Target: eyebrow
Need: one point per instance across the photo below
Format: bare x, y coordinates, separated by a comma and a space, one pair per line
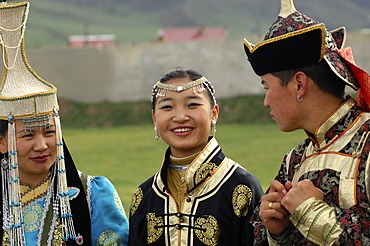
171, 99
31, 129
194, 97
165, 99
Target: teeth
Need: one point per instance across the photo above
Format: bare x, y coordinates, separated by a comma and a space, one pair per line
182, 130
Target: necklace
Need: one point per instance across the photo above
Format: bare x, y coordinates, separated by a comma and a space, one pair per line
181, 163
178, 167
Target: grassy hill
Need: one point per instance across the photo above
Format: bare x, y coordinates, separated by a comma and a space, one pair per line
52, 21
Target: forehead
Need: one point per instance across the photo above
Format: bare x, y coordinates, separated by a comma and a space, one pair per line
178, 81
184, 94
34, 123
269, 79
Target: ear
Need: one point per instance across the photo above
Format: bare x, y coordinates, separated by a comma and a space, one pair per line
215, 112
301, 83
153, 117
3, 145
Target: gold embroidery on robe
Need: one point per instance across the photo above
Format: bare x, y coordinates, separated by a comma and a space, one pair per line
5, 239
204, 171
108, 238
32, 215
118, 202
57, 234
155, 227
208, 230
242, 197
29, 194
136, 199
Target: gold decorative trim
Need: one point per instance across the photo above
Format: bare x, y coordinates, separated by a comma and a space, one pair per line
154, 227
205, 170
109, 237
320, 26
29, 194
136, 199
332, 120
241, 199
208, 230
317, 221
179, 88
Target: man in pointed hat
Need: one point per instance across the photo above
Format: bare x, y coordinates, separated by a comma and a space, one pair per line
320, 195
45, 200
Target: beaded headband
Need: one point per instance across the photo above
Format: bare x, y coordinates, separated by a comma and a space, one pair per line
199, 85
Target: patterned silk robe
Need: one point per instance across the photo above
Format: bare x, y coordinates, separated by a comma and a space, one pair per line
336, 160
218, 203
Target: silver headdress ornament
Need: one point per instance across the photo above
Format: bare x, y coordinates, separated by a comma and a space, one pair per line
27, 97
198, 86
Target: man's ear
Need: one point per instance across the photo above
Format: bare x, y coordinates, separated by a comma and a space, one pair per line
302, 82
3, 145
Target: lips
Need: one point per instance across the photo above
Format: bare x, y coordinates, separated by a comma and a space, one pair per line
182, 131
41, 158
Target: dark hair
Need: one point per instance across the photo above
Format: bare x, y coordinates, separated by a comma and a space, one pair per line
185, 73
3, 127
322, 76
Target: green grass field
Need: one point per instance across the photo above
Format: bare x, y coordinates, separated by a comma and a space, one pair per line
128, 155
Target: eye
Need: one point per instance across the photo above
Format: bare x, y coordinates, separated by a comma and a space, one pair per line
49, 132
194, 105
26, 135
166, 107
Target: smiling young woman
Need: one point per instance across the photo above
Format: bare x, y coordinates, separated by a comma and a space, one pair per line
199, 196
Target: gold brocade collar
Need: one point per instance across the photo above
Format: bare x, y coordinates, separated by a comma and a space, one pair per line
203, 165
29, 194
181, 163
321, 131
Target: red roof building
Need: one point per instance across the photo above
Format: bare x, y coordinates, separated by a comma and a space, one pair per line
191, 33
98, 41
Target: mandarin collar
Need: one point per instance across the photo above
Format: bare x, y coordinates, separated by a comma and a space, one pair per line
330, 129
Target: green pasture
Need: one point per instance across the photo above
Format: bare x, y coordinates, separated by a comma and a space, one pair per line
128, 155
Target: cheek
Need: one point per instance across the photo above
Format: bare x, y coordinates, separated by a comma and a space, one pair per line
160, 124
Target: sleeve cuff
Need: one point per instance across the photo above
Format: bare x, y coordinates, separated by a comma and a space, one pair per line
317, 221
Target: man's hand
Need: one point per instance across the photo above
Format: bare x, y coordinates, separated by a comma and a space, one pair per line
273, 215
299, 193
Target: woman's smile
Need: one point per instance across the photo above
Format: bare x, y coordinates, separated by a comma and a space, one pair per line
183, 131
41, 158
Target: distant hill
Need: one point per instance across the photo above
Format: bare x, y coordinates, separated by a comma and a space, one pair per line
52, 21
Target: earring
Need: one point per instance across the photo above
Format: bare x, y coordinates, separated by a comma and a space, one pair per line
156, 134
213, 127
4, 163
299, 98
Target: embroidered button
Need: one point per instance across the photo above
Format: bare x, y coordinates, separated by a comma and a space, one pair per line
188, 199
